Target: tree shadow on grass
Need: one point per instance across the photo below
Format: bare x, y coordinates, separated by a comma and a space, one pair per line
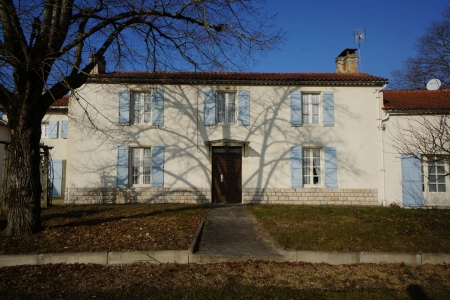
123, 215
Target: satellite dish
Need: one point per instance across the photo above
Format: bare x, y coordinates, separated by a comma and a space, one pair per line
434, 84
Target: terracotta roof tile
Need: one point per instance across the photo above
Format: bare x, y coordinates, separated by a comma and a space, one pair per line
64, 101
245, 78
421, 100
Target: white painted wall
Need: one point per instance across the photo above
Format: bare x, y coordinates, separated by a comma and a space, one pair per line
92, 153
393, 163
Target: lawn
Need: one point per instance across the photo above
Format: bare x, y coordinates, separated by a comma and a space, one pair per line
337, 228
109, 228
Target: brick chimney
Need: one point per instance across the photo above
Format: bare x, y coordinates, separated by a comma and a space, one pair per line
347, 62
100, 64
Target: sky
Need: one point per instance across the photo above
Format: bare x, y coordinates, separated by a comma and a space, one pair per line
319, 30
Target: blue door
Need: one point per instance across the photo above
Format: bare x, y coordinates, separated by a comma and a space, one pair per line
57, 178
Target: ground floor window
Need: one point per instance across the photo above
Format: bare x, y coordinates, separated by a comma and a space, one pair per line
312, 166
141, 165
434, 174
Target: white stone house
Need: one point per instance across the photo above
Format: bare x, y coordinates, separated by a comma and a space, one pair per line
413, 182
54, 134
200, 137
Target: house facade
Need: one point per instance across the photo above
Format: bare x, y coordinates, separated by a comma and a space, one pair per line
185, 137
54, 135
416, 140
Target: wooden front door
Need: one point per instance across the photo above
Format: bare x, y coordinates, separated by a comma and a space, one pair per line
226, 175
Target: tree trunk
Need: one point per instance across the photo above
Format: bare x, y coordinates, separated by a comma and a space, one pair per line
24, 186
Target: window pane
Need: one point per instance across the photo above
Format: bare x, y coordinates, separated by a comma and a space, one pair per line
432, 178
147, 107
305, 119
221, 108
306, 180
136, 108
306, 162
441, 179
431, 169
441, 188
305, 112
231, 111
305, 153
441, 170
432, 187
306, 171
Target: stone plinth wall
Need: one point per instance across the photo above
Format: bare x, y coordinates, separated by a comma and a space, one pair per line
308, 196
311, 196
137, 195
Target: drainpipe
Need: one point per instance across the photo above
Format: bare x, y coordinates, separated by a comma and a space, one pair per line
381, 127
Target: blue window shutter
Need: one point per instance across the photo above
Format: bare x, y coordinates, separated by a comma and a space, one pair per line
296, 167
330, 167
210, 107
158, 166
64, 129
411, 180
124, 107
244, 108
158, 107
57, 178
296, 108
328, 109
53, 129
122, 166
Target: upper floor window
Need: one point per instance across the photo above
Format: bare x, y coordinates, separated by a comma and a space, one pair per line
45, 129
226, 108
141, 108
51, 129
310, 109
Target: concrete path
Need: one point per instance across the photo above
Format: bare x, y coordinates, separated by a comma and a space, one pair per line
231, 233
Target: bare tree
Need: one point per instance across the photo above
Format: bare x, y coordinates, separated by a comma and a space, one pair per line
44, 50
432, 59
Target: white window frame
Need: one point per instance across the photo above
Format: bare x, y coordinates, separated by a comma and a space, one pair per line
430, 175
305, 166
227, 102
139, 166
45, 128
311, 109
144, 113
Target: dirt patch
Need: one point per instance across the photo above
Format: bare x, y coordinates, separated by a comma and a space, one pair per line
244, 280
109, 228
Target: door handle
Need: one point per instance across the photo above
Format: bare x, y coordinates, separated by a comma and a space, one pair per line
221, 177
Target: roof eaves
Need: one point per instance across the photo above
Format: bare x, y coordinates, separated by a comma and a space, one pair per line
239, 81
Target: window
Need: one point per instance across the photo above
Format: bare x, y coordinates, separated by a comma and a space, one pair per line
434, 180
141, 108
312, 167
226, 108
141, 165
45, 130
310, 109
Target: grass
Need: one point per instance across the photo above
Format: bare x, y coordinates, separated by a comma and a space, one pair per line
334, 228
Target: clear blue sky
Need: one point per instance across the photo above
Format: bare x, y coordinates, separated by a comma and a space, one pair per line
319, 30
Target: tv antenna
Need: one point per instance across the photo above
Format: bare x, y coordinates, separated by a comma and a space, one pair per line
360, 37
